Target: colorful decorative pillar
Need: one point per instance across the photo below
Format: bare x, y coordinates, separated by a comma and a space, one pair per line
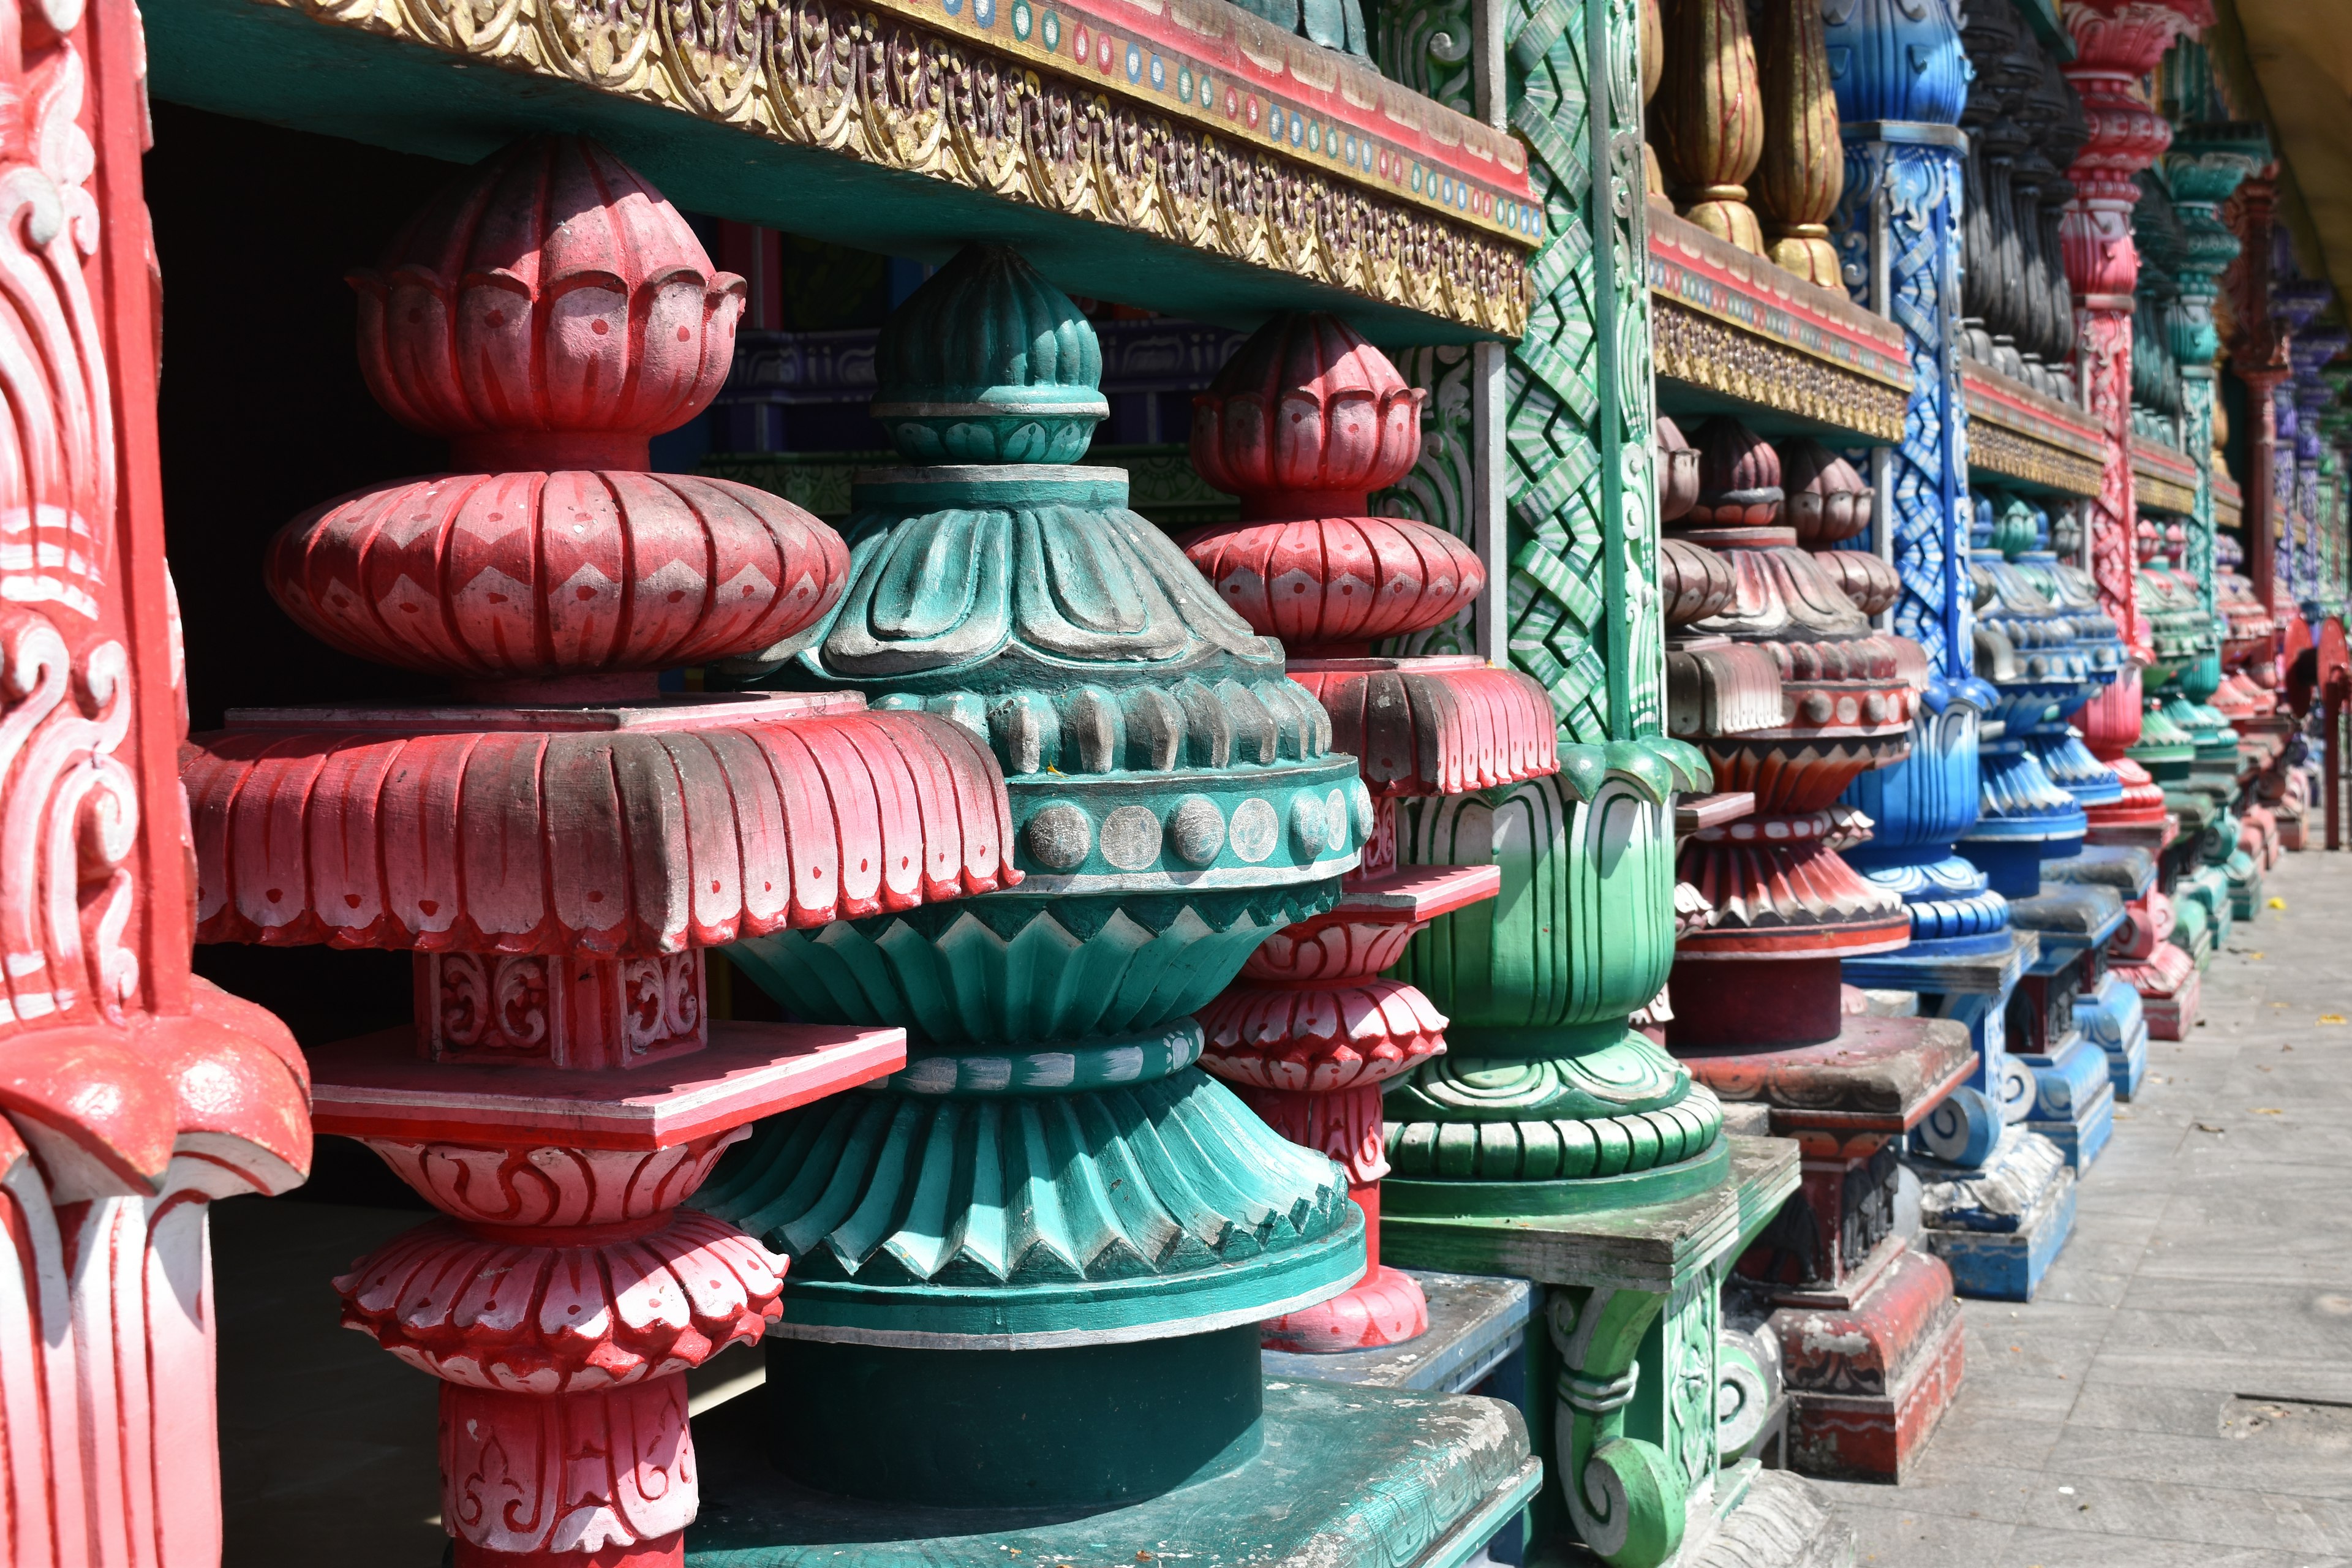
2203, 171
1868, 1329
1029, 1271
1901, 93
558, 843
1553, 1140
2314, 347
1709, 130
135, 1093
2258, 353
2047, 647
1800, 175
2117, 43
1304, 423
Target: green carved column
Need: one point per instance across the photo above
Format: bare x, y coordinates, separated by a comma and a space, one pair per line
2205, 166
1554, 1141
1027, 1272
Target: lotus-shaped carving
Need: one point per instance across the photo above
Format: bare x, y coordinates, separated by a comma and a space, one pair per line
517, 576
550, 306
1320, 1037
529, 1317
1064, 574
988, 362
1738, 477
1314, 582
1694, 583
1827, 502
1305, 420
1677, 472
1784, 593
1871, 584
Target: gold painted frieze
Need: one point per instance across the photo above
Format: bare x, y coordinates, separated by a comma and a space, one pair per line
2020, 436
2162, 478
1733, 326
1188, 121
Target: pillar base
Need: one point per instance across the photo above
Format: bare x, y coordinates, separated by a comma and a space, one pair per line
1760, 1519
1869, 1381
1999, 1229
1385, 1308
2201, 900
2245, 877
1317, 1488
2074, 1101
2167, 984
2112, 1018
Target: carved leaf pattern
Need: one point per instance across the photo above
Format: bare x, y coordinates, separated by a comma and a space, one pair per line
68, 806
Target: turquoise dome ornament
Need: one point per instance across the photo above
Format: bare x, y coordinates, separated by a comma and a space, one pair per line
1052, 1170
997, 365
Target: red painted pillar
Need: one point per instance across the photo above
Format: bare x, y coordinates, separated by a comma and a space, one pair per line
559, 841
2117, 43
2258, 353
1304, 423
133, 1093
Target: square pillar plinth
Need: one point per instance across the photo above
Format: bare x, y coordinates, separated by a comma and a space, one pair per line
1868, 1326
1631, 1341
1344, 1476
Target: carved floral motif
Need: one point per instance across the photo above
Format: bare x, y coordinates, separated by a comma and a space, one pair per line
873, 86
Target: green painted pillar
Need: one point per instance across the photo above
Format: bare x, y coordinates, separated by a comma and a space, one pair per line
1026, 1273
1553, 1140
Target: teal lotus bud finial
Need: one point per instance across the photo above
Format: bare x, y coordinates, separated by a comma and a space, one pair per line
988, 362
2017, 532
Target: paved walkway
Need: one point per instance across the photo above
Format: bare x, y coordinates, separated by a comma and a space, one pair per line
2180, 1393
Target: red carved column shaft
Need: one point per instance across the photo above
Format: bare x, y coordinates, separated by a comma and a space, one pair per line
1304, 423
2117, 43
131, 1092
558, 844
2258, 353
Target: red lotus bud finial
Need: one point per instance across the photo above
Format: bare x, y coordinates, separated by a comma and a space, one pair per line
1827, 502
1738, 477
1304, 423
549, 312
548, 309
1307, 420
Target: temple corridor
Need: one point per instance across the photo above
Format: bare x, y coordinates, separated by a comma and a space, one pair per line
2181, 1390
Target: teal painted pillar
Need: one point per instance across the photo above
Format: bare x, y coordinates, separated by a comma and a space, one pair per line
1027, 1271
1552, 1134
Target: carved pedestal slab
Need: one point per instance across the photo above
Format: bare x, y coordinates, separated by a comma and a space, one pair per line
1868, 1331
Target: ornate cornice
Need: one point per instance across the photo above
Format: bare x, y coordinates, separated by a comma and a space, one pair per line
2162, 478
1735, 325
2018, 434
1192, 121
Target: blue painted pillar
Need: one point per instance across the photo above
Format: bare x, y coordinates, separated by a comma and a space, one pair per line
1901, 77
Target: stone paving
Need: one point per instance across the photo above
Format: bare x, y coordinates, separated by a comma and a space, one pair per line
2180, 1393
